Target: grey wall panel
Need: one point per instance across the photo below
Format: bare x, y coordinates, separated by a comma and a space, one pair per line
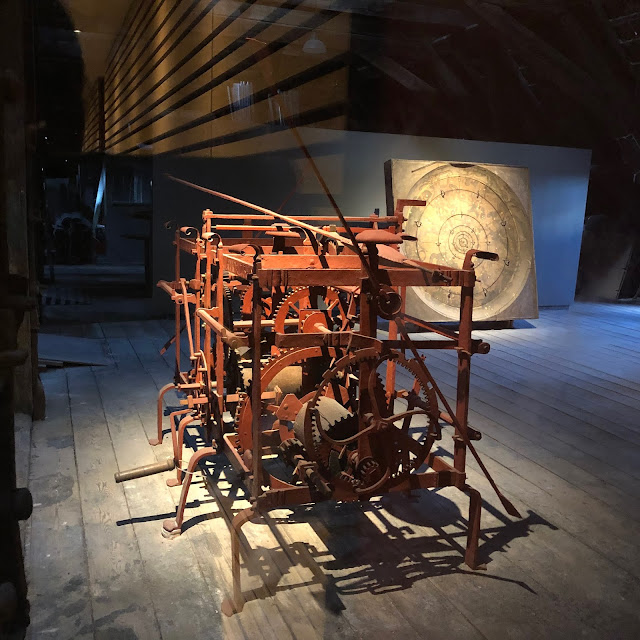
354, 166
559, 181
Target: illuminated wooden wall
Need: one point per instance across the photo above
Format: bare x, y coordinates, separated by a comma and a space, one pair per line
194, 77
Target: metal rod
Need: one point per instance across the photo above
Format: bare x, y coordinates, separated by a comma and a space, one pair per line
506, 503
228, 337
256, 391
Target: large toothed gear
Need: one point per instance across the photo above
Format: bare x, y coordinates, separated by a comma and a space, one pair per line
278, 370
246, 305
331, 417
386, 422
301, 298
228, 306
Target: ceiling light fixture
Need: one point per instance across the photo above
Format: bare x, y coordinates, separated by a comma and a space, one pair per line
314, 45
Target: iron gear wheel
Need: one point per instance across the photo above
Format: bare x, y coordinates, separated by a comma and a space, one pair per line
274, 366
301, 296
395, 452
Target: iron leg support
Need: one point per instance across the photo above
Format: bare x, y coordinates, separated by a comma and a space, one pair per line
172, 528
473, 535
177, 450
236, 603
156, 441
177, 454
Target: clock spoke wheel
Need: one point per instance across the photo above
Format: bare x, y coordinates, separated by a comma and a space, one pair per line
396, 427
293, 371
326, 299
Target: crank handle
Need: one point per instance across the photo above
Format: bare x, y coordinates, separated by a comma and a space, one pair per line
487, 255
483, 255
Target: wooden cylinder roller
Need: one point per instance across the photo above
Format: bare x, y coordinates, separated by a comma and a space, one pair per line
228, 337
145, 470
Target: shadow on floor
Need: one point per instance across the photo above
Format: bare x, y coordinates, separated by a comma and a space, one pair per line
376, 547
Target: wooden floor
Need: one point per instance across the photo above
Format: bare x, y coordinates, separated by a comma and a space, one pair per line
558, 402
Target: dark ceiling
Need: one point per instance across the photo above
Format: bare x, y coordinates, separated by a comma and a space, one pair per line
529, 71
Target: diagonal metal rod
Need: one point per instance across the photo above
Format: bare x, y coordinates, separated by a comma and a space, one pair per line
506, 503
288, 219
325, 188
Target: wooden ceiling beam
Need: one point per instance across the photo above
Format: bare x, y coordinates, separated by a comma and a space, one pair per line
430, 98
590, 56
538, 6
399, 73
523, 84
445, 76
436, 12
553, 67
606, 24
623, 19
519, 111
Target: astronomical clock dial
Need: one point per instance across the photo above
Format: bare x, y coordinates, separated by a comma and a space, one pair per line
468, 207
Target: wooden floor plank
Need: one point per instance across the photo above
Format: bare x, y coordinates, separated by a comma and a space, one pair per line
567, 331
559, 350
522, 341
569, 424
619, 325
557, 406
526, 360
147, 356
160, 372
600, 475
119, 578
572, 331
56, 563
592, 522
539, 392
534, 420
527, 552
175, 580
547, 381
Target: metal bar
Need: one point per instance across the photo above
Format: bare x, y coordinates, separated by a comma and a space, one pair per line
317, 276
359, 219
177, 309
256, 390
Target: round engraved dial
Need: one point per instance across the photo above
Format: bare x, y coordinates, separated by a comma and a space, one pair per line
469, 207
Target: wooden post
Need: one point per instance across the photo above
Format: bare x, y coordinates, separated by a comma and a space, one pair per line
17, 282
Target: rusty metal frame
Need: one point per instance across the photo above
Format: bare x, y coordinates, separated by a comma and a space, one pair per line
264, 256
